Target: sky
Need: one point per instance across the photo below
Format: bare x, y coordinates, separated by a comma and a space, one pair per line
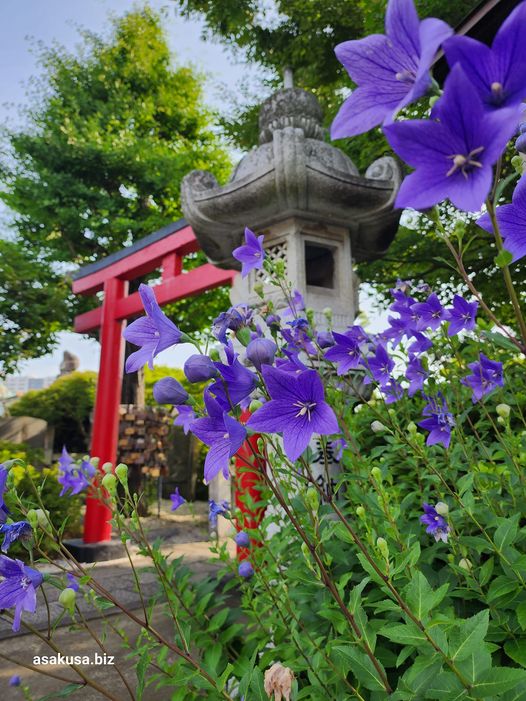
24, 24
27, 22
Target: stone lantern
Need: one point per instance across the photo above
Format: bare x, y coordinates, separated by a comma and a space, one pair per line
318, 214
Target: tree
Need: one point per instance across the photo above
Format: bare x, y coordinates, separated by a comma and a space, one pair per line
111, 132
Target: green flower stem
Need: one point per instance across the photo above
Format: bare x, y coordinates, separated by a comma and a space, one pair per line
506, 271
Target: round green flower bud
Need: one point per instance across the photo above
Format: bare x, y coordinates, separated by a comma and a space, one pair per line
382, 546
412, 428
109, 482
255, 404
501, 420
122, 473
107, 467
67, 599
360, 512
377, 474
312, 498
503, 410
465, 564
32, 518
95, 462
441, 508
378, 427
38, 518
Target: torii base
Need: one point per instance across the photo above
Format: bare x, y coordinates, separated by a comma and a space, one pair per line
95, 552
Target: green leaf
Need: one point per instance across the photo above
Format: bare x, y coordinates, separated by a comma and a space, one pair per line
498, 680
257, 686
468, 636
506, 532
360, 665
475, 665
521, 614
446, 686
501, 586
516, 650
504, 258
421, 597
405, 634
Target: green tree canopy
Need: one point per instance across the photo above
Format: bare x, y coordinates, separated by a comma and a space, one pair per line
110, 132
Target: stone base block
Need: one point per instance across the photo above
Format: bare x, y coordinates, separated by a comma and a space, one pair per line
95, 552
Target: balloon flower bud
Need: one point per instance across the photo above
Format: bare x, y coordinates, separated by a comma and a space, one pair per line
503, 410
441, 508
360, 512
465, 564
312, 498
67, 599
169, 391
377, 474
122, 473
38, 518
245, 569
107, 467
378, 427
199, 368
255, 404
242, 539
412, 428
109, 482
382, 546
261, 351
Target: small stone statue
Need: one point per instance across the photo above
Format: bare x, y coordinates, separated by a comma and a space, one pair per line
69, 364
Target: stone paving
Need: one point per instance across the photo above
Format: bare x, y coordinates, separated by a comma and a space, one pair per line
182, 533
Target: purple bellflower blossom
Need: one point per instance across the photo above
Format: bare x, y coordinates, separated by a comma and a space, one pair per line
18, 588
242, 539
169, 391
233, 319
439, 423
72, 582
236, 381
511, 219
392, 391
74, 477
416, 374
380, 365
430, 313
223, 434
177, 500
199, 368
461, 315
297, 305
15, 680
454, 154
153, 332
298, 337
245, 569
297, 409
252, 254
486, 375
338, 446
21, 530
436, 524
498, 73
185, 417
348, 351
420, 344
325, 339
390, 70
261, 351
396, 330
4, 511
216, 509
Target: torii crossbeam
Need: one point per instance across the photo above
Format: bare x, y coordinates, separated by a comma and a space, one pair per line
163, 250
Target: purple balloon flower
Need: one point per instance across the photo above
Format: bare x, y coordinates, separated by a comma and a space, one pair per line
216, 509
436, 524
177, 500
392, 391
74, 477
242, 539
185, 417
252, 254
461, 315
21, 530
4, 511
380, 365
223, 434
497, 74
416, 374
169, 391
486, 375
199, 368
18, 588
245, 569
454, 154
511, 219
324, 339
236, 381
261, 351
390, 71
348, 350
234, 318
439, 423
420, 344
72, 582
15, 680
430, 313
297, 409
153, 332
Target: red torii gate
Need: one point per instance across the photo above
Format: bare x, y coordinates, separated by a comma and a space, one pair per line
164, 250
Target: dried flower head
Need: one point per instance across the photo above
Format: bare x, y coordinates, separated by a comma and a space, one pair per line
278, 681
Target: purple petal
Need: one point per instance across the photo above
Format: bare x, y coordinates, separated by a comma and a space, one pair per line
402, 25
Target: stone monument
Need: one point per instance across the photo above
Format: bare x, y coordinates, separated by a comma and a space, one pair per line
69, 364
